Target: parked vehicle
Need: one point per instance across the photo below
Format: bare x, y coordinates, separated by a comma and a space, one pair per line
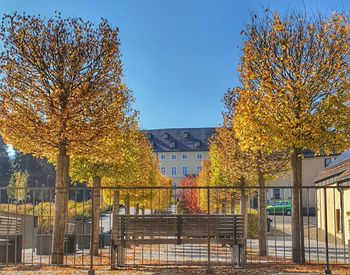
280, 208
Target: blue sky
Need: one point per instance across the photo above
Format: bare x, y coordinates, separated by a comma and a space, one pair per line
180, 56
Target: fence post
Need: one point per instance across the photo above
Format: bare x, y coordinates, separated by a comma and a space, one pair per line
91, 270
209, 270
115, 227
327, 270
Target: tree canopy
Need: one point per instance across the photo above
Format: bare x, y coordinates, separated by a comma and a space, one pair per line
60, 84
295, 84
295, 93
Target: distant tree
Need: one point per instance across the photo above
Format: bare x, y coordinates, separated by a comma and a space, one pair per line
18, 186
189, 198
61, 91
295, 93
264, 166
124, 158
40, 171
231, 165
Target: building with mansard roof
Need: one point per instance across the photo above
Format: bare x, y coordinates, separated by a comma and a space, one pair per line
181, 150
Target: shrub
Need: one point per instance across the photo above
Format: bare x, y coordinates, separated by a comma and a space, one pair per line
253, 224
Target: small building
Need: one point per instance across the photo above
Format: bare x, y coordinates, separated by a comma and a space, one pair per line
333, 198
180, 151
312, 165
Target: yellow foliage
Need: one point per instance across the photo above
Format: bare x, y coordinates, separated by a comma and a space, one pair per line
297, 94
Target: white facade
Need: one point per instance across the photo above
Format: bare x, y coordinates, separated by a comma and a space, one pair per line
177, 165
312, 166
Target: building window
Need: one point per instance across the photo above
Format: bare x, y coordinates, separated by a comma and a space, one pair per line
327, 162
185, 171
199, 156
198, 169
184, 156
163, 170
276, 193
173, 171
173, 156
162, 156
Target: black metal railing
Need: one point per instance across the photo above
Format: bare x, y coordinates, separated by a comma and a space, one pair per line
176, 226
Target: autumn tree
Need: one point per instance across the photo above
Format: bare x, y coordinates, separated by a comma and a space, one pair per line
263, 166
123, 159
295, 93
104, 161
189, 198
18, 186
60, 91
229, 166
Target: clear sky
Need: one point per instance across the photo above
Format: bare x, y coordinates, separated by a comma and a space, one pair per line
180, 56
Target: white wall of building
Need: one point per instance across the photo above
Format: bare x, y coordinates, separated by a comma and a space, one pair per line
177, 164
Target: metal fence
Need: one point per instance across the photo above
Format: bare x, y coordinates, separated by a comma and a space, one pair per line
175, 226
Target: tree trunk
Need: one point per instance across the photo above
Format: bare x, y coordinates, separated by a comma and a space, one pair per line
96, 183
262, 215
298, 252
127, 204
232, 203
137, 209
60, 215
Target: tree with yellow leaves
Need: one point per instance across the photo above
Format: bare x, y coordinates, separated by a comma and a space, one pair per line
123, 159
231, 165
295, 93
61, 91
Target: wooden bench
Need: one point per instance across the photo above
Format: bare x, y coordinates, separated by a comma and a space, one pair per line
10, 240
180, 229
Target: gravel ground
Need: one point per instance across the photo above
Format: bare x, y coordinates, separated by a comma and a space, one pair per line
251, 269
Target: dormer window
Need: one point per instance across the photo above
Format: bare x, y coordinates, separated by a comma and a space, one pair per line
197, 144
165, 135
172, 145
149, 135
186, 135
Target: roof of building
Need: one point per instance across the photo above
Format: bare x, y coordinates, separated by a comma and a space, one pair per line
338, 170
180, 139
309, 154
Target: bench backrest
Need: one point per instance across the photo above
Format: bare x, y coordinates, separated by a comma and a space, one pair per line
10, 225
184, 226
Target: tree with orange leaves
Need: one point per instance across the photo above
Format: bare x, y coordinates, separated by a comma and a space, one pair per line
189, 198
61, 91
